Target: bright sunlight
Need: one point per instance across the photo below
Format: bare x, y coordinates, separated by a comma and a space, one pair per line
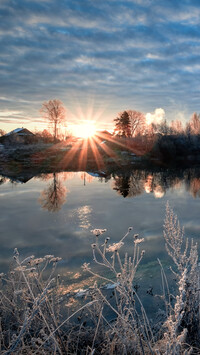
85, 130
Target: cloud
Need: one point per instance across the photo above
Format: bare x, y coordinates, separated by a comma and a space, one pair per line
156, 117
10, 113
125, 54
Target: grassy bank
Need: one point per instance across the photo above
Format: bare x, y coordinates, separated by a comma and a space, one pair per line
164, 151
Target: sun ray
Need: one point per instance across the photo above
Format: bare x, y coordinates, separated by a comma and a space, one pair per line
83, 155
97, 155
110, 152
70, 155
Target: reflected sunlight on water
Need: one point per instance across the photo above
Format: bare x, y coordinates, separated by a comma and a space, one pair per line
84, 214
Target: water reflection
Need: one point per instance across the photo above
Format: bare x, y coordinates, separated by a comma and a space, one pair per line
157, 183
153, 184
54, 196
91, 200
126, 184
2, 180
130, 184
84, 214
87, 178
194, 187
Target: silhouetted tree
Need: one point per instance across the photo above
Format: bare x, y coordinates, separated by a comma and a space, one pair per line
161, 128
54, 196
55, 112
123, 125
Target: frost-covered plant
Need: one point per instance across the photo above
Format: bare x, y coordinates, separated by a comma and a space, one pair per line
182, 324
29, 305
130, 331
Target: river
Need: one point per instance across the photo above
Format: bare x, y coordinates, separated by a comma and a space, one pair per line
55, 213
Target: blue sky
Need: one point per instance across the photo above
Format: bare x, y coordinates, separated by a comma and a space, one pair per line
99, 57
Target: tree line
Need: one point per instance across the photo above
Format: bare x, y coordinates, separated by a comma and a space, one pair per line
129, 123
132, 123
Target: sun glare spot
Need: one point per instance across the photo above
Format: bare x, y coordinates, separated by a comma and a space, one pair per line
85, 130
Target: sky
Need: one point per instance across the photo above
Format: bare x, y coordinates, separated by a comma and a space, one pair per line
99, 57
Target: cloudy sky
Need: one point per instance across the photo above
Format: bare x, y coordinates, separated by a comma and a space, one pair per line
99, 57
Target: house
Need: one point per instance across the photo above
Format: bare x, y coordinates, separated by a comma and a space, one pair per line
18, 136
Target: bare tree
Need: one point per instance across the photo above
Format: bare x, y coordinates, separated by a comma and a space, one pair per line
137, 122
176, 127
55, 112
194, 124
47, 136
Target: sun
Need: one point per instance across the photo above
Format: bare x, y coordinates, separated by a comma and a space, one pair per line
85, 130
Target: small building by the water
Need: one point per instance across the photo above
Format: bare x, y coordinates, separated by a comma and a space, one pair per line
17, 136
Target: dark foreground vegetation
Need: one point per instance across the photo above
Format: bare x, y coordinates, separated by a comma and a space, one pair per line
112, 322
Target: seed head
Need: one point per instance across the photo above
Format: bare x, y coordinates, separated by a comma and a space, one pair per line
98, 232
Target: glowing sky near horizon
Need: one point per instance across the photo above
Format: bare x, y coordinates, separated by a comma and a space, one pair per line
99, 58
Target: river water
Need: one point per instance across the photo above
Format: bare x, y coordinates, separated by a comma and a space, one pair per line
55, 213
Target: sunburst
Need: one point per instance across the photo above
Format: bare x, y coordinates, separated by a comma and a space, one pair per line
85, 130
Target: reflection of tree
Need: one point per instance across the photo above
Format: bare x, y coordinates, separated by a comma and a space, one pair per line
63, 175
122, 185
195, 187
148, 185
54, 196
130, 185
139, 181
2, 180
86, 177
66, 175
136, 184
44, 177
192, 182
157, 184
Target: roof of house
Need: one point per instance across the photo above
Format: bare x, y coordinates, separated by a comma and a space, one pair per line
21, 132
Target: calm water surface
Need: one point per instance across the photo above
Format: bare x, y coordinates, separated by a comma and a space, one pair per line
54, 214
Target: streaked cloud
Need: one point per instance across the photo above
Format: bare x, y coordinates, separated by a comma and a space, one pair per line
123, 54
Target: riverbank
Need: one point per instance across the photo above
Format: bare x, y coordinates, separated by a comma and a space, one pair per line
44, 158
20, 164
